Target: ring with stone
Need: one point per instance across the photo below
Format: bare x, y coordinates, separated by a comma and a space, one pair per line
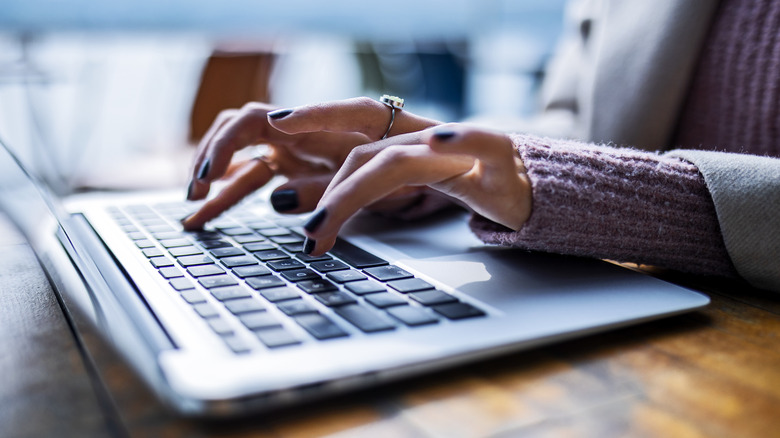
395, 103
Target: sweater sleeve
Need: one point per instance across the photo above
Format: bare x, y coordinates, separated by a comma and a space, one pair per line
618, 204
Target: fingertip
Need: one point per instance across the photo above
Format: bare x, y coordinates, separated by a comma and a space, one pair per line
192, 223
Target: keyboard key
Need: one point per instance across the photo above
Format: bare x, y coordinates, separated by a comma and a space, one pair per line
345, 276
365, 287
273, 232
274, 254
230, 293
319, 326
279, 294
283, 265
409, 285
206, 310
248, 238
308, 259
193, 296
136, 235
152, 252
458, 310
366, 319
204, 235
221, 327
232, 262
329, 265
217, 243
259, 224
157, 226
412, 316
173, 243
300, 275
251, 271
195, 260
167, 235
254, 247
259, 320
171, 272
226, 252
296, 307
355, 256
161, 262
387, 273
235, 231
244, 305
205, 270
265, 282
287, 239
181, 284
316, 286
335, 298
276, 337
236, 344
384, 299
432, 297
185, 251
217, 281
293, 247
144, 243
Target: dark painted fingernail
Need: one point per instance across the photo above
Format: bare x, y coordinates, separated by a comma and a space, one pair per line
308, 245
280, 114
284, 200
444, 135
204, 169
189, 190
315, 220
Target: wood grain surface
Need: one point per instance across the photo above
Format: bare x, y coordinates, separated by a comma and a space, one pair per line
712, 373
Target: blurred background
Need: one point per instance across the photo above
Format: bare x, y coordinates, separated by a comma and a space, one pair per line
115, 94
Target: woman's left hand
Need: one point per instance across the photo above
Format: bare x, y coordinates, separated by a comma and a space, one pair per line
478, 167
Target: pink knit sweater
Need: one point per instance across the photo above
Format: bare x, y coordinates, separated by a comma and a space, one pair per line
631, 206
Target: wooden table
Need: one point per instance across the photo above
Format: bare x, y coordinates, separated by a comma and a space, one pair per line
713, 373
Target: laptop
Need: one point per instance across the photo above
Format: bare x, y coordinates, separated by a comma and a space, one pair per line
235, 319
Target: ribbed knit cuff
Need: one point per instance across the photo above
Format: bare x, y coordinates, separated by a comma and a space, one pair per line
618, 204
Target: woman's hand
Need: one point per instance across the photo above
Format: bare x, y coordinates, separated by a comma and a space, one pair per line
480, 168
324, 136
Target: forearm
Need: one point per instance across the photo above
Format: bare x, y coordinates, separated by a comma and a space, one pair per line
618, 204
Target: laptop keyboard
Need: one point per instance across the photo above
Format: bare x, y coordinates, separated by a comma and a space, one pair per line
233, 274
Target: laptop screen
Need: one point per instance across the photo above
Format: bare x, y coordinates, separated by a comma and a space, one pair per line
24, 200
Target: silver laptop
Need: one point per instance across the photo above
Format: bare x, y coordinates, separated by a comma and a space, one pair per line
236, 319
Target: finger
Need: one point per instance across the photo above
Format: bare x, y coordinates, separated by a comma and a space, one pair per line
300, 195
252, 176
360, 155
196, 189
362, 114
389, 170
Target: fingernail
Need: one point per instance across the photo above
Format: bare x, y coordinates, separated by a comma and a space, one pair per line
279, 114
308, 246
189, 190
204, 169
284, 200
444, 135
315, 220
